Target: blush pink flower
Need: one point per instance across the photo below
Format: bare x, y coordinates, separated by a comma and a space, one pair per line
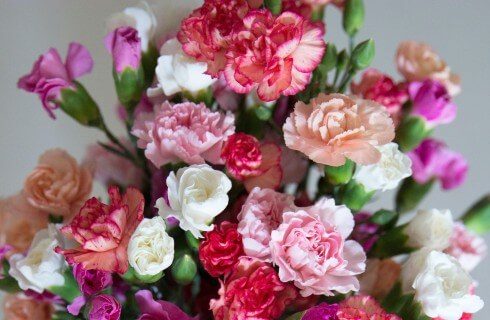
275, 55
205, 34
260, 215
252, 291
103, 231
468, 248
311, 250
50, 74
363, 308
186, 132
333, 128
124, 45
417, 61
379, 87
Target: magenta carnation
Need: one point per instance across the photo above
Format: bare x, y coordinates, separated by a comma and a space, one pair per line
124, 45
91, 281
186, 132
104, 307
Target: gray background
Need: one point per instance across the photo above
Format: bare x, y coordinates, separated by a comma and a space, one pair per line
457, 29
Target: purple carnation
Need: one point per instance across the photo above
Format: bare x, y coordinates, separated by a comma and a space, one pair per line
323, 311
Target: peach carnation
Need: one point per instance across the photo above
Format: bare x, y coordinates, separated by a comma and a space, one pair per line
417, 61
186, 132
18, 307
103, 231
275, 55
333, 128
58, 185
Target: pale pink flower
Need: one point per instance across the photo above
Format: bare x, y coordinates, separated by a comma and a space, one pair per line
333, 128
468, 248
183, 132
260, 215
275, 55
58, 185
311, 250
417, 61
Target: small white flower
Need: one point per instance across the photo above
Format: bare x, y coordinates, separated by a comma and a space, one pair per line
178, 72
196, 195
441, 285
430, 228
142, 19
42, 267
150, 249
386, 174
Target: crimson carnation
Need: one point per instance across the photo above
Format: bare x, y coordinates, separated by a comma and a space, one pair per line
221, 249
242, 155
252, 291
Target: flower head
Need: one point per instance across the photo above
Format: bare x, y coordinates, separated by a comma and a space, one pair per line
124, 45
332, 128
104, 307
19, 307
431, 229
49, 74
158, 309
183, 132
363, 307
252, 290
103, 231
91, 281
311, 250
468, 248
242, 155
275, 55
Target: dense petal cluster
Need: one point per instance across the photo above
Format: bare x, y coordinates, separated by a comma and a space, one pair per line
363, 307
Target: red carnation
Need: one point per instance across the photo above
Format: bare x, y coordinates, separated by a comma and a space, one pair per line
242, 155
221, 249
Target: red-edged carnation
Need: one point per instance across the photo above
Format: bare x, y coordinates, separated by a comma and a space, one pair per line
275, 55
363, 308
103, 231
252, 291
221, 249
205, 34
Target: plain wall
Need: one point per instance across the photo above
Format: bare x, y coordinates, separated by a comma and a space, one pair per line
458, 30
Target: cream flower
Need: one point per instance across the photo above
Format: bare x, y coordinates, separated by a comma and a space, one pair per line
42, 267
441, 285
430, 228
178, 72
387, 173
196, 195
150, 249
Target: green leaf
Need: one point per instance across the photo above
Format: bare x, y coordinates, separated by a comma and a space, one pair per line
384, 218
274, 6
391, 243
149, 60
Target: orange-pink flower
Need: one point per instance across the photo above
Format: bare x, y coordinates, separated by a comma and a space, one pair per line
103, 231
275, 55
333, 128
17, 307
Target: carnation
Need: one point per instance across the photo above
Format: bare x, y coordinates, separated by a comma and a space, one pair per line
468, 248
104, 307
91, 281
363, 307
430, 228
185, 132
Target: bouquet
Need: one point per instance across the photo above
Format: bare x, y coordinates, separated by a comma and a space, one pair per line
239, 191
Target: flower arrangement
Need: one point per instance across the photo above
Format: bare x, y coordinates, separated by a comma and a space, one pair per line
239, 191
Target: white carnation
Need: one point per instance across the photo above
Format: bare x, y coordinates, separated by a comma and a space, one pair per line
387, 173
196, 195
441, 285
140, 18
178, 72
430, 228
150, 249
42, 267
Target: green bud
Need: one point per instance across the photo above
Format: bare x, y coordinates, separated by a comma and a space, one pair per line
149, 278
79, 105
69, 290
411, 132
410, 194
129, 86
274, 6
477, 218
329, 60
384, 218
342, 60
353, 18
363, 54
192, 242
263, 112
354, 195
341, 174
184, 269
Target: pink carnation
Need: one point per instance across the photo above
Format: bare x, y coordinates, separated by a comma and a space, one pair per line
275, 55
332, 128
260, 215
468, 248
363, 307
205, 34
311, 250
183, 132
124, 45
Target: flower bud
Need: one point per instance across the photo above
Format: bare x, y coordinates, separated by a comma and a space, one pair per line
192, 241
184, 269
329, 60
410, 194
363, 54
78, 104
353, 18
341, 174
411, 132
354, 195
274, 6
477, 218
342, 59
